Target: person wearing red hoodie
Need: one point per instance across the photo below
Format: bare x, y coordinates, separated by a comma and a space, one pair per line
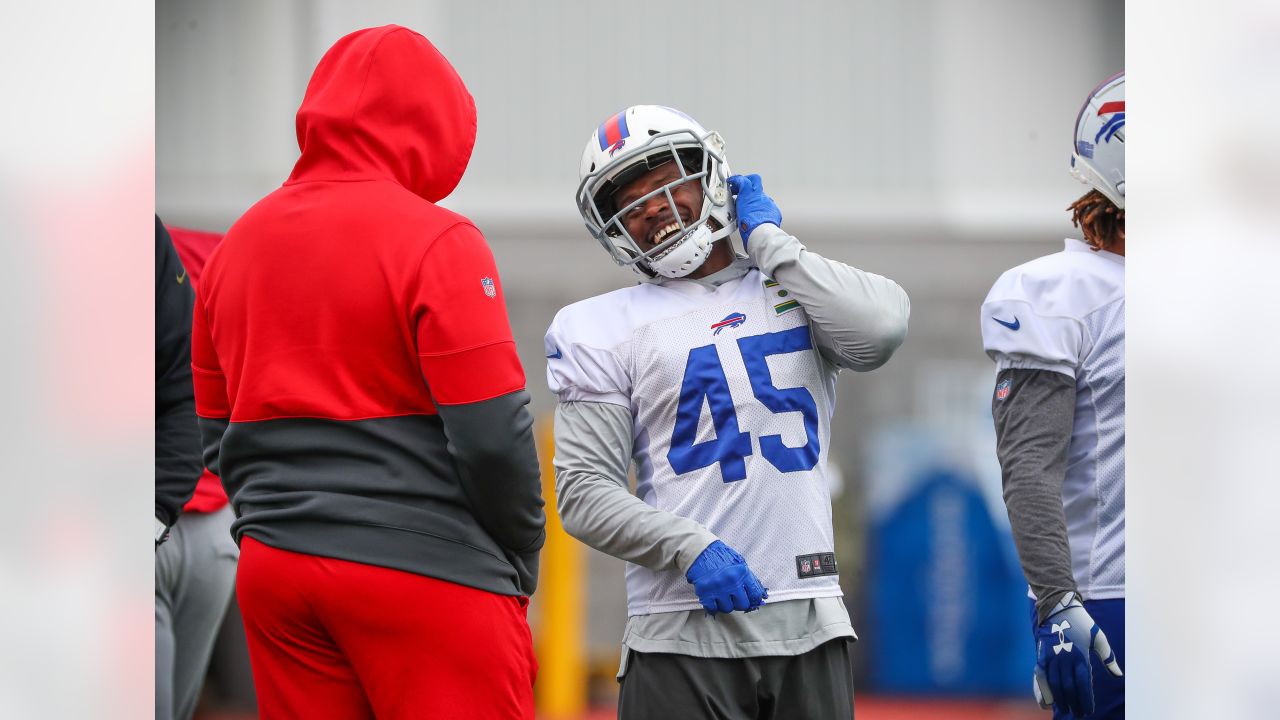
359, 393
195, 568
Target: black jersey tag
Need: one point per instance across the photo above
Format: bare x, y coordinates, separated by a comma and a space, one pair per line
816, 565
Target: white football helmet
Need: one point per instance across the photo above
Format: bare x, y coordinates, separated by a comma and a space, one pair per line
630, 143
1098, 157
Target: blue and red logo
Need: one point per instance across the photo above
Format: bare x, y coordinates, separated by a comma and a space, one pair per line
1002, 390
730, 321
1114, 124
612, 132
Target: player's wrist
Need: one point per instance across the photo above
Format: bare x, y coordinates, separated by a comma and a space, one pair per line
1065, 642
1066, 600
716, 556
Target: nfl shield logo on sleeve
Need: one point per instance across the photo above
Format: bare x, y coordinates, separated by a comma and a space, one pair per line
489, 288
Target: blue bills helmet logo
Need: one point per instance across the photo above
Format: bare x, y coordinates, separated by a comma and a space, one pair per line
1114, 124
489, 288
1002, 389
731, 321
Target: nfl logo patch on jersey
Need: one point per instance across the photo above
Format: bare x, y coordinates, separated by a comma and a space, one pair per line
489, 288
816, 565
1002, 389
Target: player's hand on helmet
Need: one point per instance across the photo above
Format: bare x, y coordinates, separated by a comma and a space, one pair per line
723, 582
1064, 673
754, 208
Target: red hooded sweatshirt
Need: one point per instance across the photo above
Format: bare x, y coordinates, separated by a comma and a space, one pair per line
356, 380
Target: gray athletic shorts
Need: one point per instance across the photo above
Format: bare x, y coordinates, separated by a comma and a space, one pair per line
817, 684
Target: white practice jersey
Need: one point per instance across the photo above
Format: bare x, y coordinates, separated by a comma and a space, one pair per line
1065, 313
731, 405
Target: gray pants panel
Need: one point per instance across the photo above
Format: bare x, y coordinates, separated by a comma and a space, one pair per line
817, 684
195, 575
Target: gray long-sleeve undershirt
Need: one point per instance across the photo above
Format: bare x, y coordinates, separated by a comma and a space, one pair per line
593, 450
1033, 434
858, 318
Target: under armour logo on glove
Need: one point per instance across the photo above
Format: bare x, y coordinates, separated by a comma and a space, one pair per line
1064, 678
1063, 642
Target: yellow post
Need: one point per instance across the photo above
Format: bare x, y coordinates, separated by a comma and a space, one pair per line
562, 678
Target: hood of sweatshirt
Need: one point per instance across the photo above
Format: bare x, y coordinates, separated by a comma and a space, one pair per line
384, 104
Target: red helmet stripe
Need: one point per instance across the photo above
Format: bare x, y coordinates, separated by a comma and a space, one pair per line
1111, 107
612, 131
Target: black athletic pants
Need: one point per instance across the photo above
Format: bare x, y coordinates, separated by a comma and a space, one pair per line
817, 684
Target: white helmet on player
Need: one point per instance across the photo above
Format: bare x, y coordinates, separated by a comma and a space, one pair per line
627, 145
1098, 159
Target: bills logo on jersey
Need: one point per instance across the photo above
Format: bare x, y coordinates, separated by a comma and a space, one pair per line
1002, 389
731, 321
489, 288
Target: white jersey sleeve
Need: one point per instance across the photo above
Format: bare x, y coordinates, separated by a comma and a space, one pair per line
584, 359
1024, 326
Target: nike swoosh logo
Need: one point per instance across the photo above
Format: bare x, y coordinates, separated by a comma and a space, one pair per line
182, 277
1011, 325
557, 356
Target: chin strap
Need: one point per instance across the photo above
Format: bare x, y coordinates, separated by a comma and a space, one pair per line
685, 256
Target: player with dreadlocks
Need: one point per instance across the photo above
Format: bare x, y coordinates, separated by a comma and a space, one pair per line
1101, 221
1055, 328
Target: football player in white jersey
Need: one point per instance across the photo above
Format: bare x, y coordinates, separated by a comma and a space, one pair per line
716, 375
1055, 328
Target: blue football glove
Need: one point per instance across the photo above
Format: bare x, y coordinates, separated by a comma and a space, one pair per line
1064, 675
753, 206
723, 581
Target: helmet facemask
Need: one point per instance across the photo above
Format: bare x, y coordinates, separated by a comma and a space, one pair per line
700, 159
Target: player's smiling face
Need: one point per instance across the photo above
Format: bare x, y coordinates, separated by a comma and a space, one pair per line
652, 221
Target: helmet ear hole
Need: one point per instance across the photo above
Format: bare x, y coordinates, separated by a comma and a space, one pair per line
593, 167
691, 159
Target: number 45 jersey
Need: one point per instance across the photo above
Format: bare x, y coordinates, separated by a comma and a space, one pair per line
731, 403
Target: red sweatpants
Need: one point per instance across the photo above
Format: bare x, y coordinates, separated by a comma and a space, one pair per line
336, 639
